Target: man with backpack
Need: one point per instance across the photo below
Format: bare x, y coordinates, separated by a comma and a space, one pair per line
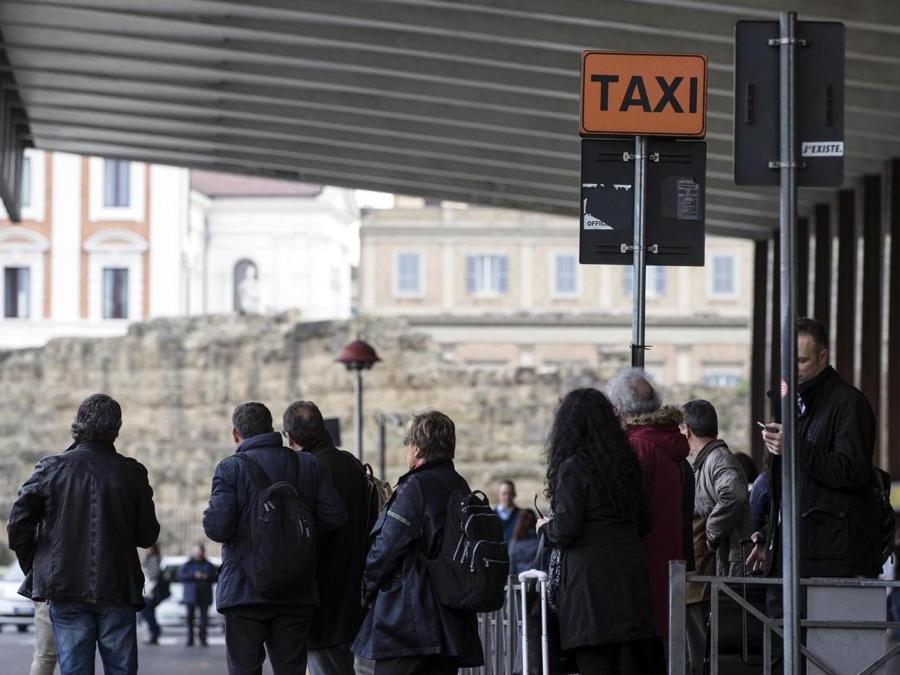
266, 507
408, 630
342, 552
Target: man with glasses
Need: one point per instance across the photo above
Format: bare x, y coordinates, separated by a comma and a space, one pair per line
407, 631
254, 619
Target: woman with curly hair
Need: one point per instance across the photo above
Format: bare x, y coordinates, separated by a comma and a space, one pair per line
598, 517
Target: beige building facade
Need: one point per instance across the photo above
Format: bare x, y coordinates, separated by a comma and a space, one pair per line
505, 288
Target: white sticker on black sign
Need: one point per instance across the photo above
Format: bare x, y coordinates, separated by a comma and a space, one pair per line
824, 149
688, 199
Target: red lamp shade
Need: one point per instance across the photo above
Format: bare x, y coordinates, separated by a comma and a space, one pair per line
358, 355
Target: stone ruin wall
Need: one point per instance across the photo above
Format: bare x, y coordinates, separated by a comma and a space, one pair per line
178, 381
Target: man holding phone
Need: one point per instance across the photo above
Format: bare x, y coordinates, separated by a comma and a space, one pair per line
835, 444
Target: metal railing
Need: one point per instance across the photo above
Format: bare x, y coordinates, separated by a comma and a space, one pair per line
500, 632
725, 586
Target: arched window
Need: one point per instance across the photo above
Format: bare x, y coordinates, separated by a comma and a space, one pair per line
246, 287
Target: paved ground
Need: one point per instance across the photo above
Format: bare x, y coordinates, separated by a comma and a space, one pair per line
168, 658
173, 658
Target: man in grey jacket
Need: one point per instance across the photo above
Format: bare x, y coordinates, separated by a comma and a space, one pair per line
721, 516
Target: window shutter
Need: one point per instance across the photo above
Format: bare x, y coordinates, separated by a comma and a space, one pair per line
660, 280
628, 280
470, 273
502, 268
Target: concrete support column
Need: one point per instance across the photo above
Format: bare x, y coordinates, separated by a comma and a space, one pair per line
845, 287
802, 266
821, 307
869, 236
758, 410
892, 301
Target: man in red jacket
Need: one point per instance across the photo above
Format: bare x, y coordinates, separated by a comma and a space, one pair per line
652, 430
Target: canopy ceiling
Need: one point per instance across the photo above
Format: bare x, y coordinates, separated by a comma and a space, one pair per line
464, 100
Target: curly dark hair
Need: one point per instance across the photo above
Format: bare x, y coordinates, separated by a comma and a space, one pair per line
586, 427
98, 419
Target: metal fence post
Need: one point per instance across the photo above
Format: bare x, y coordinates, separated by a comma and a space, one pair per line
677, 616
512, 626
713, 629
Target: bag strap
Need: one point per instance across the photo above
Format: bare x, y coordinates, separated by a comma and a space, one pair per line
259, 476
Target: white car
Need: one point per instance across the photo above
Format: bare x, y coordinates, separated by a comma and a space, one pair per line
15, 610
170, 612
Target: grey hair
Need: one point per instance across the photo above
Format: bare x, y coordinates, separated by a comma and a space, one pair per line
632, 392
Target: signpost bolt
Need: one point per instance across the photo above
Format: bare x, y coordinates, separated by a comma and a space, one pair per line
777, 42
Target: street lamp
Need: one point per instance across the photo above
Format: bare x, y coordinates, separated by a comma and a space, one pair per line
357, 357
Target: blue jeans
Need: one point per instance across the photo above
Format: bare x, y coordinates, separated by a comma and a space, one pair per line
80, 629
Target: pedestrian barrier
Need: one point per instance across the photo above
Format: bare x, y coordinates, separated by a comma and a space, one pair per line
735, 589
499, 632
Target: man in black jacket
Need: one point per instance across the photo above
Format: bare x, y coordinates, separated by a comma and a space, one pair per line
342, 552
835, 444
407, 631
253, 619
75, 528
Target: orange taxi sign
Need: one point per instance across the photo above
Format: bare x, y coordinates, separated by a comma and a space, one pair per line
643, 94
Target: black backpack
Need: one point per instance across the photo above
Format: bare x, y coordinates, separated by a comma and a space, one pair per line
472, 569
282, 533
883, 518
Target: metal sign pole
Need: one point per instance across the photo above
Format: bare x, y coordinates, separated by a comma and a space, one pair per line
358, 413
788, 166
639, 291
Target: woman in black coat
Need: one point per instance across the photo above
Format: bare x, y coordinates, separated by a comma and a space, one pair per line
599, 515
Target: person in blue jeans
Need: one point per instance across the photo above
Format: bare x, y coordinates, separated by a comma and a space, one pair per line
197, 575
75, 529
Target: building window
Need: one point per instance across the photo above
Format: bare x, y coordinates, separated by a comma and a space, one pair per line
115, 293
16, 292
722, 280
722, 375
116, 183
407, 269
25, 195
487, 274
656, 281
565, 280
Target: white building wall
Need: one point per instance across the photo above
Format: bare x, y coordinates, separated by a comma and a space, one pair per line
299, 245
169, 188
65, 243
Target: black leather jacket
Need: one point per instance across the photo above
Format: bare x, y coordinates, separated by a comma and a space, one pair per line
77, 524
